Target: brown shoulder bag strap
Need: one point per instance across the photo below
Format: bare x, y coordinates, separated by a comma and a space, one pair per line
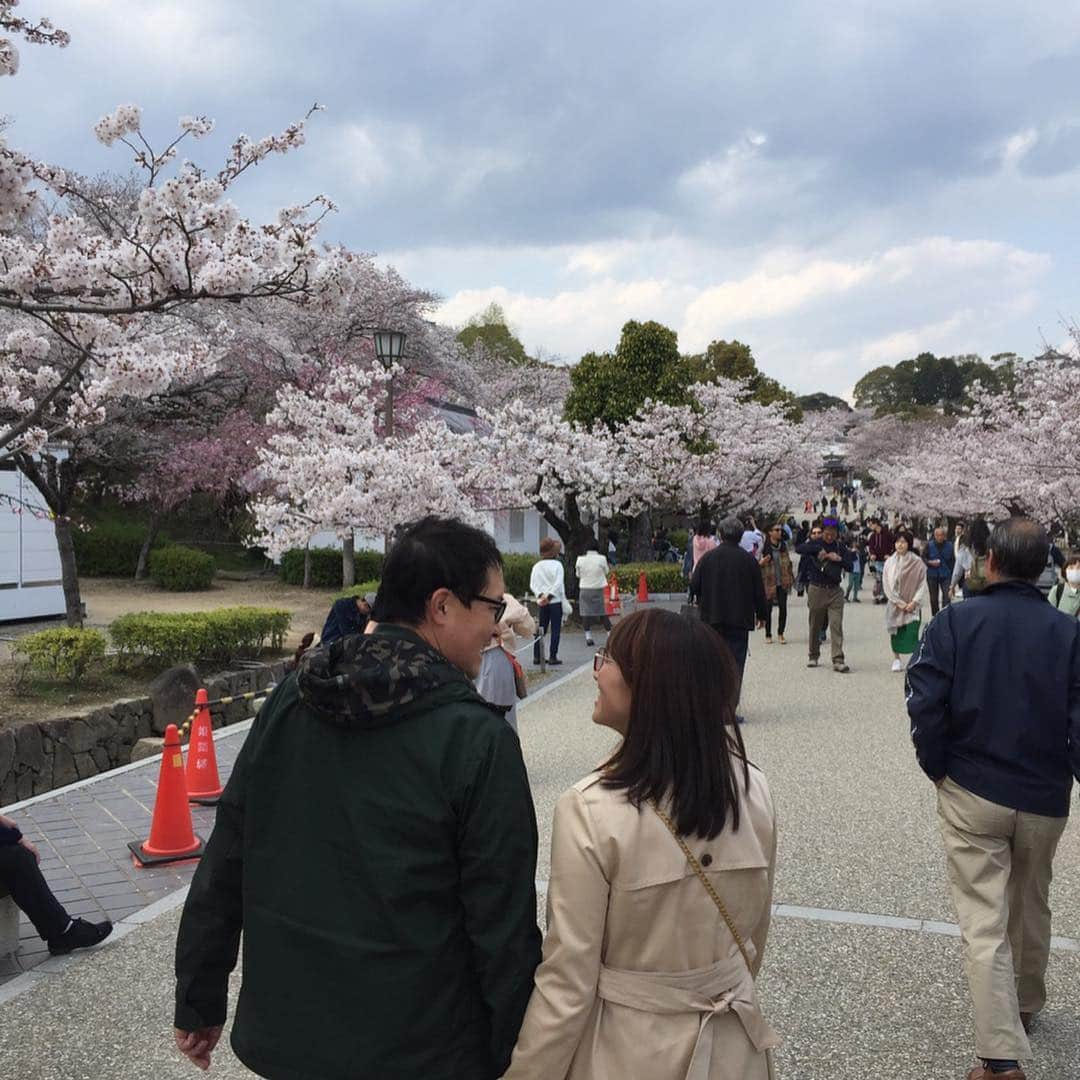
704, 878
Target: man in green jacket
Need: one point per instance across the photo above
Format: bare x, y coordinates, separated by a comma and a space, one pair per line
376, 844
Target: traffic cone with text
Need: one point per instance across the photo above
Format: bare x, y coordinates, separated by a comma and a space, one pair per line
171, 835
642, 589
203, 783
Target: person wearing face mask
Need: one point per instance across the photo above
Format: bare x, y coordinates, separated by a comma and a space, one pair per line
904, 581
376, 847
1065, 595
646, 973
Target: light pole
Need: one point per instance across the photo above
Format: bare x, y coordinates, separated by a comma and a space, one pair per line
389, 348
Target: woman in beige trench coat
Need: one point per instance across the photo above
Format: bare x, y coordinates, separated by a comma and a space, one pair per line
641, 976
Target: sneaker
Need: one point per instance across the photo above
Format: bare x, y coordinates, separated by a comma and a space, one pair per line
897, 665
768, 641
841, 668
80, 935
589, 641
781, 640
812, 662
553, 662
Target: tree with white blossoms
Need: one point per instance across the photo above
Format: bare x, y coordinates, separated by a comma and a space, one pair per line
1018, 452
88, 286
329, 466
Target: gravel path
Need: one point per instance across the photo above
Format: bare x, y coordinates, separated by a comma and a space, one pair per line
857, 833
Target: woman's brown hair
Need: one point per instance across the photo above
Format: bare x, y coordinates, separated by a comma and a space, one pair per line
549, 547
682, 738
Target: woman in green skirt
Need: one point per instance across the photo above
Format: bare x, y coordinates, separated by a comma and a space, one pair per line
904, 582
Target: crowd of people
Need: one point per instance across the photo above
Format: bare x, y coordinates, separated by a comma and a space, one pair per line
412, 852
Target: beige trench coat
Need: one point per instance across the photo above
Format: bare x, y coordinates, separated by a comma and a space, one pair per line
641, 977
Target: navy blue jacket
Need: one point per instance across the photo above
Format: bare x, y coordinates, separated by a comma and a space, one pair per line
946, 554
9, 834
825, 572
344, 619
994, 698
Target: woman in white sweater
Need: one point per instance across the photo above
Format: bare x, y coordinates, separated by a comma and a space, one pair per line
548, 584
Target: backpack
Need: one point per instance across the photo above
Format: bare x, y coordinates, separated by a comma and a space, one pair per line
975, 578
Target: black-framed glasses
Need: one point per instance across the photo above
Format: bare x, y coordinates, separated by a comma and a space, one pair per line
601, 657
498, 605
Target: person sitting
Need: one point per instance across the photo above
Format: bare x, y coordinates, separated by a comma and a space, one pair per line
349, 615
22, 878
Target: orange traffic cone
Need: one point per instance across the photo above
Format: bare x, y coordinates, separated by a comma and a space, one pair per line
203, 783
171, 835
642, 589
612, 603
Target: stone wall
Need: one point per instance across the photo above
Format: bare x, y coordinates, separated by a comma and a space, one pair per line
38, 757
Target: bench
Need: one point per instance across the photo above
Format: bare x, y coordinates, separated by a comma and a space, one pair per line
9, 924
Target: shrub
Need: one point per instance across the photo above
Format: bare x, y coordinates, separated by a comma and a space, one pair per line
516, 571
660, 577
62, 653
180, 637
110, 549
359, 589
326, 567
182, 569
679, 538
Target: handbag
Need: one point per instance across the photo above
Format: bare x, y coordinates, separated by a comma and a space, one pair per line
521, 686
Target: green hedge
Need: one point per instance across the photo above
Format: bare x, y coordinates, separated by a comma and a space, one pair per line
61, 653
109, 550
660, 577
359, 590
182, 569
179, 637
326, 567
516, 572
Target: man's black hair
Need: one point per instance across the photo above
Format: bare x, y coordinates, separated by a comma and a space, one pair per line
431, 554
1021, 548
593, 545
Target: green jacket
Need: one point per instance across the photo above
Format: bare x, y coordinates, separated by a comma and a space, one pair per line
376, 843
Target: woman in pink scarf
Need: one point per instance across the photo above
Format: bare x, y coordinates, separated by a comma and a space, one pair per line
904, 582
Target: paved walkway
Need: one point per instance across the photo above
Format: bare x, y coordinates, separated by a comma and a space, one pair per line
862, 975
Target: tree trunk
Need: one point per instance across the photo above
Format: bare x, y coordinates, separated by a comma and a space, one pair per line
641, 538
348, 561
144, 552
307, 566
69, 571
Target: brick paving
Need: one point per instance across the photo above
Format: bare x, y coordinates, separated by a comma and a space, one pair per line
82, 833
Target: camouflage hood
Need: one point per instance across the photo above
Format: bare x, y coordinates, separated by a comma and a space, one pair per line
379, 679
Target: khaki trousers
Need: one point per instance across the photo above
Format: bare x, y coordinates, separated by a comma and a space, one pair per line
1000, 864
826, 605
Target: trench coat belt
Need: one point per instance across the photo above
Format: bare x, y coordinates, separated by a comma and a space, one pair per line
725, 986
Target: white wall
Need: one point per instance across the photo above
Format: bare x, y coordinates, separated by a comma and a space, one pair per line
30, 585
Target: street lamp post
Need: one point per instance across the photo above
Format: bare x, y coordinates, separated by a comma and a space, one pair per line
389, 348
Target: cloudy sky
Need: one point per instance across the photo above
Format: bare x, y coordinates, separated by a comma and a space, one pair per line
840, 185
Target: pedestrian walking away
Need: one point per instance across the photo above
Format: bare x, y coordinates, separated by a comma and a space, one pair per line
904, 580
854, 578
969, 572
777, 577
880, 547
376, 847
592, 574
22, 879
940, 563
728, 585
548, 584
828, 559
662, 867
994, 700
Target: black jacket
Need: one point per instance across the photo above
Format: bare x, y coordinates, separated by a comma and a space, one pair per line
824, 572
994, 699
727, 582
344, 619
376, 843
9, 835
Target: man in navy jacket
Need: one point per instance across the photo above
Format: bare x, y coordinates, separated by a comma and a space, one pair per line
21, 877
994, 699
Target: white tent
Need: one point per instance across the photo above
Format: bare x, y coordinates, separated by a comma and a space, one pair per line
30, 582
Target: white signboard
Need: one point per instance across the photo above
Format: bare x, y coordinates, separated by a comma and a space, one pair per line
30, 584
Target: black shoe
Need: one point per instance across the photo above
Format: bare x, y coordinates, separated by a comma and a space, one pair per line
80, 935
739, 718
553, 662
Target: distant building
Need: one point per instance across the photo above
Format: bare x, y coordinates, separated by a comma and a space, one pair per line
30, 577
